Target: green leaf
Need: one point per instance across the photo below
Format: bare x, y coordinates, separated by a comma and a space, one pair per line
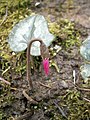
32, 27
85, 71
85, 49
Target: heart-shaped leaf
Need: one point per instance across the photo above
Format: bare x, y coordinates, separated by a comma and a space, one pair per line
32, 27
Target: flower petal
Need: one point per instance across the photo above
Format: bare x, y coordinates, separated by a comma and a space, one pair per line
46, 66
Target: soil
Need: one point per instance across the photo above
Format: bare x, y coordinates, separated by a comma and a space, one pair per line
47, 89
33, 104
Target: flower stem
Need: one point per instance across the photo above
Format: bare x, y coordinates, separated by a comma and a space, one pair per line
28, 61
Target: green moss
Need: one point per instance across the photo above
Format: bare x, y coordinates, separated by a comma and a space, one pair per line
10, 60
65, 32
2, 115
77, 107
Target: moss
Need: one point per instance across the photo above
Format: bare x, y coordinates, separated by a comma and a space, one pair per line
77, 107
2, 115
10, 60
65, 32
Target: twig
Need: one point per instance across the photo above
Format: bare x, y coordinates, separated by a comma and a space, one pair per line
44, 85
86, 99
83, 89
26, 115
14, 89
6, 14
3, 80
29, 98
61, 111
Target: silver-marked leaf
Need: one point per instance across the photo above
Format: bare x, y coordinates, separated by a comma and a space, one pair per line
85, 49
85, 71
32, 27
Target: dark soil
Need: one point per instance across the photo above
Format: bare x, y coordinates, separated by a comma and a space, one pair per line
47, 89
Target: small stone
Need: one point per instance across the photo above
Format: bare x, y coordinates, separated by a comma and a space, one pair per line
35, 107
64, 84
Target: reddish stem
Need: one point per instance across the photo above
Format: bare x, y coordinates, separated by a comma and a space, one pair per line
28, 61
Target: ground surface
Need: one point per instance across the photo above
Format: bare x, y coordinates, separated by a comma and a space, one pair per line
50, 99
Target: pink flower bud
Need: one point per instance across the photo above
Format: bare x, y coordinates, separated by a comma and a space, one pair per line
46, 66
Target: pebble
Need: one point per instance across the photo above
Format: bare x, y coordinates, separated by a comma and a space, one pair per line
64, 84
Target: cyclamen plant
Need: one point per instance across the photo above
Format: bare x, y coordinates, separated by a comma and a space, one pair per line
32, 33
45, 57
